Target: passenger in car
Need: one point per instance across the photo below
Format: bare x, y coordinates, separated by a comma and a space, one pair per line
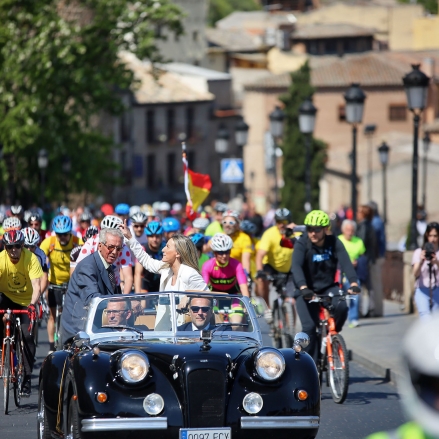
200, 311
118, 312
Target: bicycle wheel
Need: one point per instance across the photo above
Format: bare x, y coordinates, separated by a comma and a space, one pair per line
6, 375
339, 373
276, 325
19, 368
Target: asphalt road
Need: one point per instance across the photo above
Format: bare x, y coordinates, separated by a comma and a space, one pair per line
372, 405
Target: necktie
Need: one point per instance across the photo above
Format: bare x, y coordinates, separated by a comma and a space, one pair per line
112, 277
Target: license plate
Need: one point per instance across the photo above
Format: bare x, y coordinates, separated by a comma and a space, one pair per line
205, 433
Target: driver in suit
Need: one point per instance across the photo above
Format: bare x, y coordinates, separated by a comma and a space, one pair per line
118, 312
200, 311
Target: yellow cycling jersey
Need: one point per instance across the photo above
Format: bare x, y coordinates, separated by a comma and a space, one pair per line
59, 258
280, 258
241, 244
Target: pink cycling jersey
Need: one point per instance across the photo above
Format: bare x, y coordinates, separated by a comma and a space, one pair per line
224, 278
123, 260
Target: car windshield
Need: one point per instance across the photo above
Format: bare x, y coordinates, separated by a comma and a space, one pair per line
171, 313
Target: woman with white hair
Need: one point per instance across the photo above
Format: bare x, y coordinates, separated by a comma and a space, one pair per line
355, 248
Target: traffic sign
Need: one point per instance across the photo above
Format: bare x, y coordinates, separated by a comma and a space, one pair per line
232, 171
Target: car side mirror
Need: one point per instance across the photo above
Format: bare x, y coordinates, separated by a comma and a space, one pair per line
301, 339
81, 339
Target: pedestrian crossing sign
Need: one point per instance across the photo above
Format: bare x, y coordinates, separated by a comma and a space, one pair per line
232, 171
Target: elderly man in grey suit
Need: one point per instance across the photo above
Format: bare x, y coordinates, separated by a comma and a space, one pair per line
93, 277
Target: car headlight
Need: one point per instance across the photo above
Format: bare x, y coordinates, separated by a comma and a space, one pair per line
269, 364
252, 403
153, 404
134, 366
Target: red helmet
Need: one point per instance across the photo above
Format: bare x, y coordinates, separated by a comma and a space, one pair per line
13, 237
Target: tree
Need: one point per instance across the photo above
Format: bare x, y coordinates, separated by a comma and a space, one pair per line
219, 9
430, 6
60, 74
294, 148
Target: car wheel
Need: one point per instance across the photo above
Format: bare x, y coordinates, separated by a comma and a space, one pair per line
43, 429
73, 423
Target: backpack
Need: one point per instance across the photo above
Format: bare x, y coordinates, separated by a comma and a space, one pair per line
53, 243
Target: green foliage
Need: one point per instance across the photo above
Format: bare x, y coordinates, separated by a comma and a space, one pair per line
219, 9
60, 71
430, 6
294, 149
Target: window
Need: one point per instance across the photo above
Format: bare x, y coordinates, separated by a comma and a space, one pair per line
341, 113
170, 168
170, 124
150, 126
397, 112
125, 127
330, 46
150, 171
189, 123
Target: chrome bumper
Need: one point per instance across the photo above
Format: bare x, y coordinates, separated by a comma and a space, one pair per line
273, 422
108, 424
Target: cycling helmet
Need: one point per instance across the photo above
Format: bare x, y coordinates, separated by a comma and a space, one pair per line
221, 242
85, 216
248, 227
91, 231
282, 214
198, 240
111, 222
147, 210
138, 218
164, 206
13, 237
220, 207
419, 381
122, 209
134, 209
171, 224
317, 218
232, 213
200, 223
62, 224
153, 228
176, 208
34, 216
31, 236
11, 223
16, 210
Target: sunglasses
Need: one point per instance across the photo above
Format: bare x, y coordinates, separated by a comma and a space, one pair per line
204, 309
284, 222
115, 311
111, 248
30, 247
310, 229
226, 252
62, 235
138, 226
11, 246
230, 223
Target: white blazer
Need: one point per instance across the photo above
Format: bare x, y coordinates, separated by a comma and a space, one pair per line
187, 277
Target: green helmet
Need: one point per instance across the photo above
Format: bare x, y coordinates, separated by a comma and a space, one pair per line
317, 218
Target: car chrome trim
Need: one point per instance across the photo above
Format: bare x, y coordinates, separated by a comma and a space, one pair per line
108, 424
273, 422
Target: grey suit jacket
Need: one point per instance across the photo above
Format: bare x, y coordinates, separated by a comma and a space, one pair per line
90, 279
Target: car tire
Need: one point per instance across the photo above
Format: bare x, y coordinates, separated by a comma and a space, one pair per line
43, 429
73, 422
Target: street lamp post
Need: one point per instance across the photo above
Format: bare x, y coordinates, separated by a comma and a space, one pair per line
383, 151
277, 117
241, 137
426, 144
222, 146
369, 131
307, 120
416, 88
354, 98
43, 161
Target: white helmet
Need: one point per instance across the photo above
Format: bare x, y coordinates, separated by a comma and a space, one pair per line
138, 218
134, 209
31, 236
147, 210
111, 222
11, 223
221, 242
164, 206
200, 223
232, 213
156, 205
419, 383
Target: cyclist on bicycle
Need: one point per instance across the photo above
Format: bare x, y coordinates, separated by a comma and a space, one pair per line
36, 222
20, 274
137, 228
57, 249
315, 260
84, 223
9, 224
216, 225
171, 226
271, 257
199, 240
76, 251
17, 211
199, 225
122, 210
145, 281
31, 241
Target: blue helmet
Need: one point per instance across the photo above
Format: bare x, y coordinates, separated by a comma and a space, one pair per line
198, 240
171, 224
122, 209
153, 228
62, 224
248, 227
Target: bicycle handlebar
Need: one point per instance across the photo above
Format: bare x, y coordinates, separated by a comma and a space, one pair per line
323, 297
19, 311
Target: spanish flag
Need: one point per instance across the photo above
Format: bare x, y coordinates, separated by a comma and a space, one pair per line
196, 186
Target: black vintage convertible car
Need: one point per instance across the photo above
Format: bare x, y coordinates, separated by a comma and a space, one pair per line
177, 366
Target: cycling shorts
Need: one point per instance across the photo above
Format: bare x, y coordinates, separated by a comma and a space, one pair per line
55, 295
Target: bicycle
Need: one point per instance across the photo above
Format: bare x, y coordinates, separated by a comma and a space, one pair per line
63, 289
333, 355
284, 316
12, 359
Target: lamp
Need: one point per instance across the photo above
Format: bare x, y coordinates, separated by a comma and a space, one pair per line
276, 117
426, 144
369, 131
222, 140
383, 151
241, 133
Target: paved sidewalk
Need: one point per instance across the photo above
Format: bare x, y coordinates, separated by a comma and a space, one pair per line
376, 342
